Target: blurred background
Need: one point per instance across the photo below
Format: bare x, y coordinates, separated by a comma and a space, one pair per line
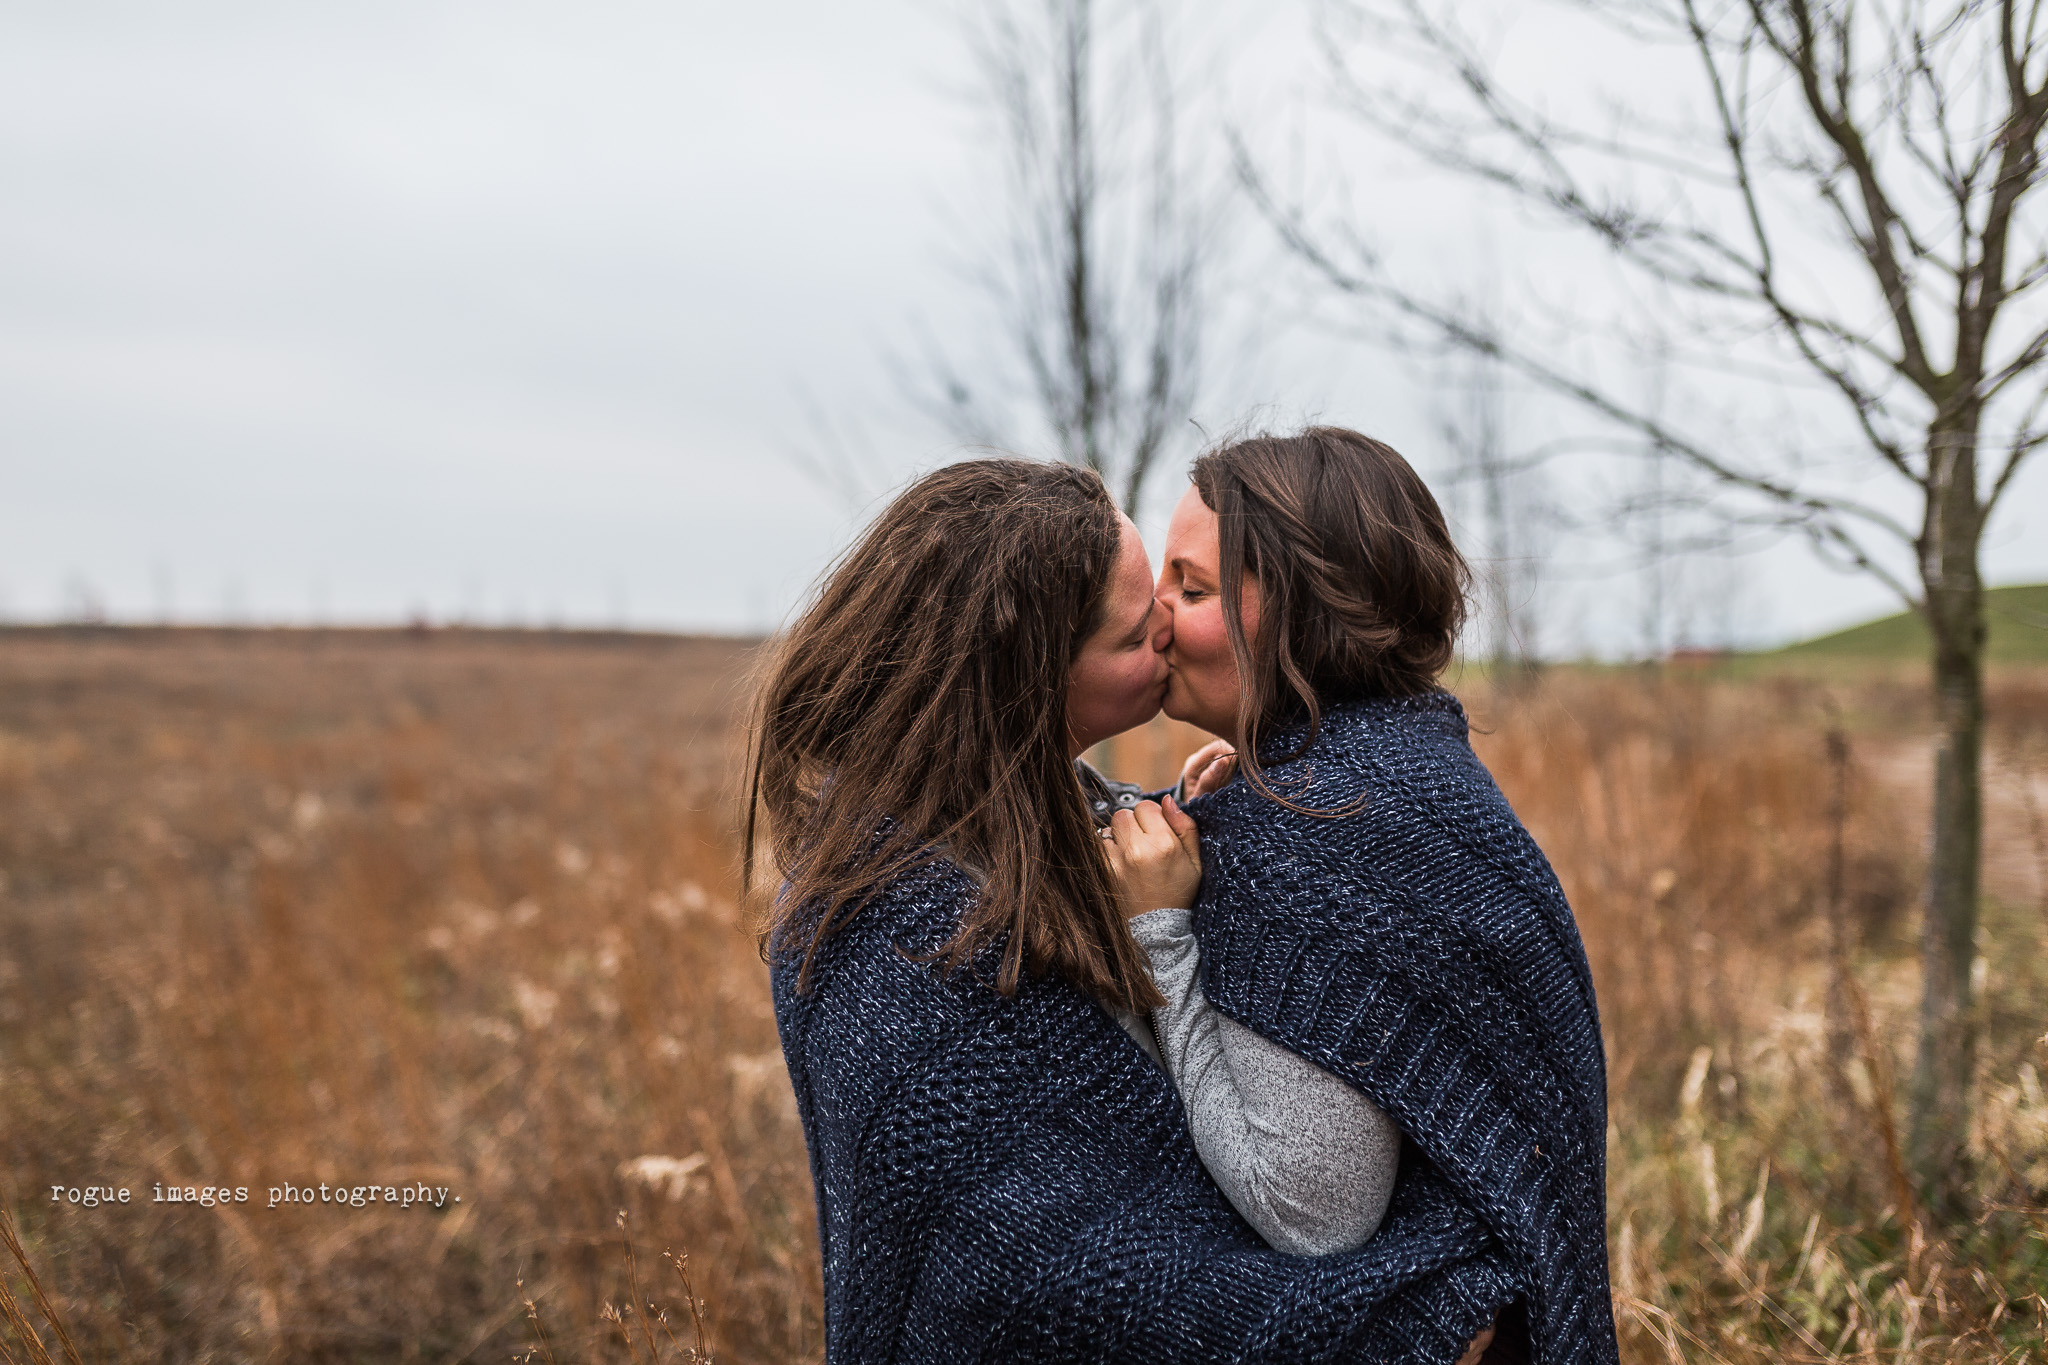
627, 315
415, 417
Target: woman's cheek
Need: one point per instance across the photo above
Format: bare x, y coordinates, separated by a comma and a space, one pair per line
1146, 673
1212, 642
1217, 666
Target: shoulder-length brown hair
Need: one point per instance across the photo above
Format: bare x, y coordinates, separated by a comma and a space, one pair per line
1361, 592
918, 710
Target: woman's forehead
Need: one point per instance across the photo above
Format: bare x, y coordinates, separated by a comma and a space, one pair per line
1193, 528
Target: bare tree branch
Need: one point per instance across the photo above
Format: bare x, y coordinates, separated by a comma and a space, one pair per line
1800, 50
1092, 255
2029, 439
1910, 134
1799, 326
1807, 506
1103, 282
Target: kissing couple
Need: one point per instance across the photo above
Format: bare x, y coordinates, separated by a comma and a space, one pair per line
1296, 1062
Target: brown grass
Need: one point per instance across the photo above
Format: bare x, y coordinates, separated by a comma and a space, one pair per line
458, 910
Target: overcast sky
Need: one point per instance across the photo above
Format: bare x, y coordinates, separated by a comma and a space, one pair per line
498, 311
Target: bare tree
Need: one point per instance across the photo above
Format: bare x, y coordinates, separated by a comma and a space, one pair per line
1511, 542
1858, 193
1669, 520
1097, 285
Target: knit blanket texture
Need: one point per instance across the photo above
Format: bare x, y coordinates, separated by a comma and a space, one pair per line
1420, 948
1011, 1179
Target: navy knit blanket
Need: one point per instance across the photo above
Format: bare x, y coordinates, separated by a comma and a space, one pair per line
1420, 948
1012, 1180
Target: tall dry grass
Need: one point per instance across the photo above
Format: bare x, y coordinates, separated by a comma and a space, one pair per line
458, 910
394, 911
1745, 882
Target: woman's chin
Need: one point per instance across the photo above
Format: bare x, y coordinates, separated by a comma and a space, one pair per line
1181, 707
1136, 719
1174, 704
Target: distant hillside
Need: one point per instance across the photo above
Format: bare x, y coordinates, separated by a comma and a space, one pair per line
2017, 616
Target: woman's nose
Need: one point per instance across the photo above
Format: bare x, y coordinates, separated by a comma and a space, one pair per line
1162, 626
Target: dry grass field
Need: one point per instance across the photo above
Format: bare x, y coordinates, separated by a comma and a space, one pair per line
456, 911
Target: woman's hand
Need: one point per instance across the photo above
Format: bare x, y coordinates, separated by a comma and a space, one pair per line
1207, 768
1157, 856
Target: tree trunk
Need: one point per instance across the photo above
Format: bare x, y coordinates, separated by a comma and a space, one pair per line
1954, 608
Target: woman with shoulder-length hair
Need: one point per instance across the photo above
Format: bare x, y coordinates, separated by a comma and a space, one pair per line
1002, 1171
1369, 900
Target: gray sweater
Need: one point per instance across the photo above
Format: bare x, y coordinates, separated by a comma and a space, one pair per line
1307, 1159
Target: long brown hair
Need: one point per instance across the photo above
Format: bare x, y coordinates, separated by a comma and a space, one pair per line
1361, 591
918, 710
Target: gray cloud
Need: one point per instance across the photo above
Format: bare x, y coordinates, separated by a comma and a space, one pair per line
497, 308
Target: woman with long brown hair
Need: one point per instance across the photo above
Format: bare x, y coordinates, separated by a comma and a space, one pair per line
1001, 1171
1369, 901
908, 718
